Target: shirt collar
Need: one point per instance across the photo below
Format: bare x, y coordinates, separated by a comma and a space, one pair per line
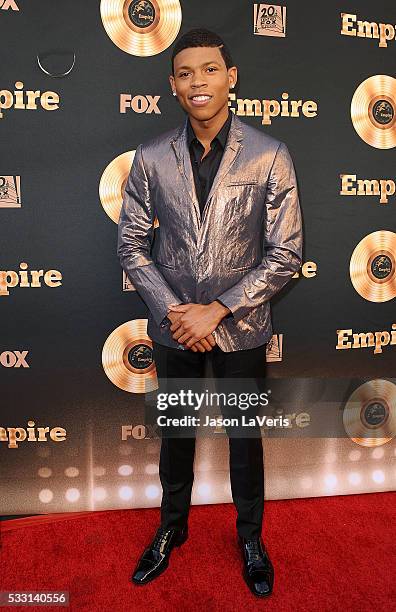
221, 135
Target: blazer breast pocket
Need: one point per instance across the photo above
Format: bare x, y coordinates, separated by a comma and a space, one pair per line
241, 182
242, 189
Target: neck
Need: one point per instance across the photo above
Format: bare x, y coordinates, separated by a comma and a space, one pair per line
207, 129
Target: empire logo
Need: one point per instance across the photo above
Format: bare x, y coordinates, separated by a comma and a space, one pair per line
367, 187
27, 100
367, 29
14, 359
307, 270
366, 339
139, 104
267, 109
15, 435
27, 278
8, 4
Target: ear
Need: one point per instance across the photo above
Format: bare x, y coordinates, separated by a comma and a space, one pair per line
232, 75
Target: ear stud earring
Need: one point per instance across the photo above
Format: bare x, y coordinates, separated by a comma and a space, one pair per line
174, 93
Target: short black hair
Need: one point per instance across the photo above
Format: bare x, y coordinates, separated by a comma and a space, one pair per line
200, 37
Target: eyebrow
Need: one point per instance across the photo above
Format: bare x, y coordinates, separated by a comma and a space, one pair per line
205, 64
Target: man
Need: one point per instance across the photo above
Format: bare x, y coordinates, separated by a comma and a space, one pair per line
226, 199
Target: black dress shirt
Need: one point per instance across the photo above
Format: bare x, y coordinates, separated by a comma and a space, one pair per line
205, 170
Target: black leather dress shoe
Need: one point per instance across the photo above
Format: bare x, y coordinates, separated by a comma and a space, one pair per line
155, 558
258, 570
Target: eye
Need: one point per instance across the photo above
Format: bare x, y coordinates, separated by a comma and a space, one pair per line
182, 74
212, 68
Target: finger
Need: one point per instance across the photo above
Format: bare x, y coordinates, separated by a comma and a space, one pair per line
206, 344
194, 348
179, 307
211, 340
182, 338
175, 325
179, 332
191, 341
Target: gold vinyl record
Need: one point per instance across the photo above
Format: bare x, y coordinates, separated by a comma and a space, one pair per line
112, 185
127, 358
373, 111
141, 27
373, 267
370, 413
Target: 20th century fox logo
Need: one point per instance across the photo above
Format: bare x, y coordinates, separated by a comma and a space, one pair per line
10, 191
6, 5
269, 20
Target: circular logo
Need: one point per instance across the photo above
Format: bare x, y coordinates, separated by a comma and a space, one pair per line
140, 356
369, 415
372, 267
141, 13
383, 112
141, 27
381, 266
127, 358
112, 185
373, 111
375, 413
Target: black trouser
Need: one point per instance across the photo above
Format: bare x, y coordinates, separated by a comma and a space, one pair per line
246, 454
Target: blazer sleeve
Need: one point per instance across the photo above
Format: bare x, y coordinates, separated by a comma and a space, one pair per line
282, 241
135, 236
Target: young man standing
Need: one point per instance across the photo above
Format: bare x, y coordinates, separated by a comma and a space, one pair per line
226, 199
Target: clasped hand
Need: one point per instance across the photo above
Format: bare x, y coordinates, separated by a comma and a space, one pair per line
192, 324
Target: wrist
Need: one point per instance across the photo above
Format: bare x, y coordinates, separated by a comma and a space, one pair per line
220, 310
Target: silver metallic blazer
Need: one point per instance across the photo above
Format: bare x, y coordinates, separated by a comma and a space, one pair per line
245, 249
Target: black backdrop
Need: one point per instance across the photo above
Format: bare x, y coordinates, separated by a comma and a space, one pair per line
61, 155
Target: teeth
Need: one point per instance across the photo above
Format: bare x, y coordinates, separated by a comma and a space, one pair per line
201, 97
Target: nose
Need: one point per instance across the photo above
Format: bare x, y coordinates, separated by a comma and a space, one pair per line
197, 81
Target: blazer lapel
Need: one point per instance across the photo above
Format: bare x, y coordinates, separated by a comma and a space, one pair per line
232, 149
179, 144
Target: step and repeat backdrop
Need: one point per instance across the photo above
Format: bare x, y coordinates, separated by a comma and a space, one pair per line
81, 85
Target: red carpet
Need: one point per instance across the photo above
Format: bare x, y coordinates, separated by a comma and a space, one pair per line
329, 553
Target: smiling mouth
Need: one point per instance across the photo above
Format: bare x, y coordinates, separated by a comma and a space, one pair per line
200, 98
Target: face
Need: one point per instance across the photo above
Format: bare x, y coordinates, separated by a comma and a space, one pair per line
202, 81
